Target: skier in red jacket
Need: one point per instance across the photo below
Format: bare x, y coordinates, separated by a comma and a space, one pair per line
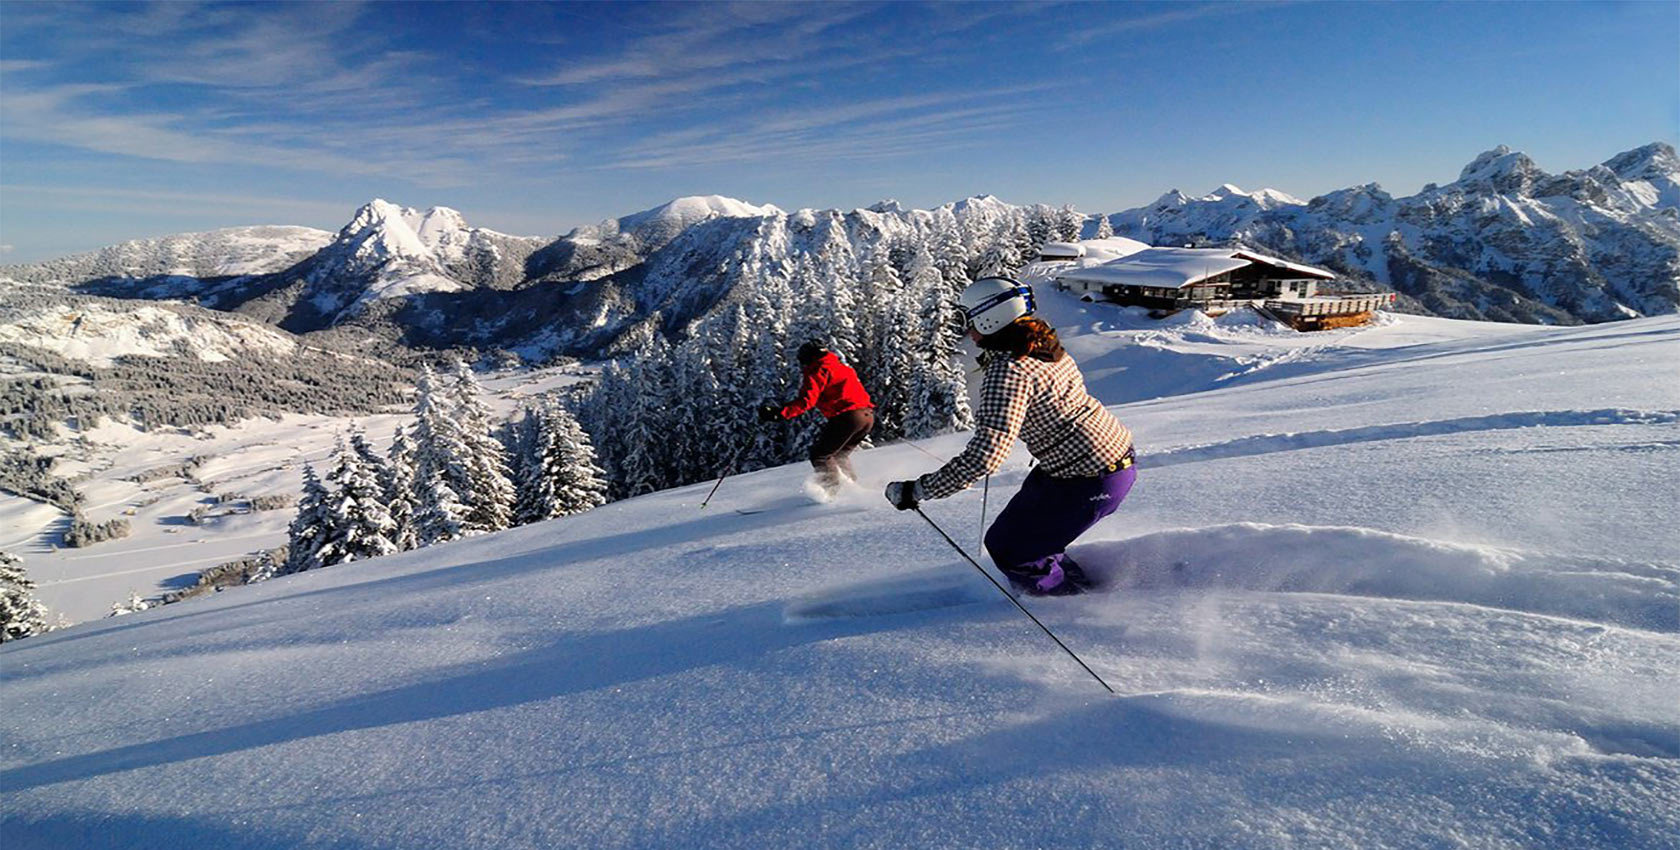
834, 390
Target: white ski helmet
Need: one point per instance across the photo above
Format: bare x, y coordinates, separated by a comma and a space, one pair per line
991, 303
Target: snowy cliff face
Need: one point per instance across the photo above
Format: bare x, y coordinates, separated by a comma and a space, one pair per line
1506, 241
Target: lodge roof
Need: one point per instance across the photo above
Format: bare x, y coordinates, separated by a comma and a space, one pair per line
1175, 268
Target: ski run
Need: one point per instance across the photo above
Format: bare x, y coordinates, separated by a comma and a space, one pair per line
1409, 585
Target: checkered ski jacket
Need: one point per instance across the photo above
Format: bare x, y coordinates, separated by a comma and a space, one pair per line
1070, 433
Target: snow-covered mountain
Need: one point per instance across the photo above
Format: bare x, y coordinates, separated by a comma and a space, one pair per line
1505, 241
1400, 586
175, 265
593, 252
383, 257
98, 332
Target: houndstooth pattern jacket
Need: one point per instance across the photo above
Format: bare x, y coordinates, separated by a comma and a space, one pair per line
1070, 433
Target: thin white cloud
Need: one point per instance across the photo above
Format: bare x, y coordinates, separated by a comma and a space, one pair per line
1092, 31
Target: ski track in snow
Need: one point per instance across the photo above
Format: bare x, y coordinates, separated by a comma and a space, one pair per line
1267, 443
1365, 562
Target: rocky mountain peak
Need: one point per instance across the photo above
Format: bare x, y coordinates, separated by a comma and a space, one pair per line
1173, 198
1356, 204
1655, 160
1505, 170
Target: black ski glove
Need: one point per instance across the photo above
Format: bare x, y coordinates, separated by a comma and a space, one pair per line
769, 413
904, 495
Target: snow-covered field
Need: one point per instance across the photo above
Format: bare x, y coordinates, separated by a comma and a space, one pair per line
1414, 585
164, 550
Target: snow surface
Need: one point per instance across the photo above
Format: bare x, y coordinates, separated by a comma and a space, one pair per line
98, 335
1412, 585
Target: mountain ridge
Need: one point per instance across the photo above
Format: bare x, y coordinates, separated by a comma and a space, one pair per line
1506, 241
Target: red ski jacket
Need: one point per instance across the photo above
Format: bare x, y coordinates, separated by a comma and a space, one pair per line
831, 387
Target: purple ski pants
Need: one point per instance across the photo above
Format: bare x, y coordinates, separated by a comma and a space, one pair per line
1031, 535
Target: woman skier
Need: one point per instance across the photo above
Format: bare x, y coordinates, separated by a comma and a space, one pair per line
1033, 389
834, 390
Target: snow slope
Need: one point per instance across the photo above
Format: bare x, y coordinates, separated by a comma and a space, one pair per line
97, 334
1409, 586
229, 252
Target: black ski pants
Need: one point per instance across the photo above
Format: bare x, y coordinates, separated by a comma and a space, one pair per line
831, 453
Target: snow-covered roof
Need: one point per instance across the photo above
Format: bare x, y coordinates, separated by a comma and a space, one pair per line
1174, 268
1161, 267
1112, 248
1062, 249
1309, 271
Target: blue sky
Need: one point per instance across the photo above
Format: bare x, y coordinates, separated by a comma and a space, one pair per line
123, 121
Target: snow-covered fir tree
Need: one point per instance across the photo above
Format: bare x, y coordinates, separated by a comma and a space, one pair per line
939, 393
558, 472
949, 252
488, 492
1105, 228
1071, 224
438, 518
309, 526
21, 614
1041, 227
371, 459
399, 486
358, 525
440, 477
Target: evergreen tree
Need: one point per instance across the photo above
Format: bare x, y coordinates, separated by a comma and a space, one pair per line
358, 526
438, 517
896, 378
21, 614
937, 393
528, 481
607, 410
949, 253
810, 313
1105, 228
644, 433
371, 460
1071, 224
489, 491
881, 286
309, 526
1041, 227
837, 270
579, 482
440, 476
1002, 254
399, 467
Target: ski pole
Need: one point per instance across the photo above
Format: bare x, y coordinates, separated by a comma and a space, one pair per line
728, 470
1012, 599
985, 494
913, 445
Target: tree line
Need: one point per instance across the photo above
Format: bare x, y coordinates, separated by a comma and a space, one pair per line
454, 472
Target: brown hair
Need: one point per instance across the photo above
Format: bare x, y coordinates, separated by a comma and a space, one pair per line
1027, 336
